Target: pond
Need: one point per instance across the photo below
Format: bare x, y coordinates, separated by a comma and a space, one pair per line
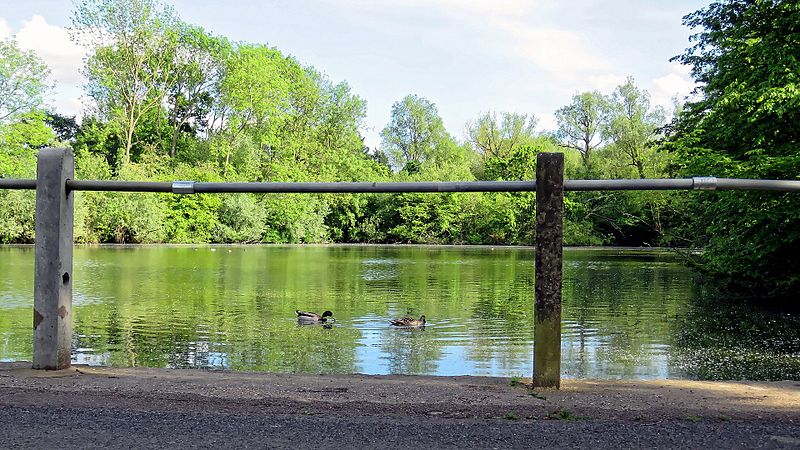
629, 314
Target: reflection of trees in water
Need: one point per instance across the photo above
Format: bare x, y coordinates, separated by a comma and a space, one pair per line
721, 339
443, 284
304, 348
411, 350
212, 309
615, 311
14, 344
187, 307
16, 303
503, 308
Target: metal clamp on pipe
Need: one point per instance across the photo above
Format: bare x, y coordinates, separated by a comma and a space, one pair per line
704, 183
183, 187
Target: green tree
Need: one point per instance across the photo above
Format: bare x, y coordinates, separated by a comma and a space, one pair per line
134, 45
494, 137
97, 138
23, 82
257, 95
415, 133
198, 70
746, 58
581, 122
65, 127
23, 86
341, 115
633, 123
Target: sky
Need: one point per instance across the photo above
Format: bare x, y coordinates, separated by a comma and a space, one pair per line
466, 56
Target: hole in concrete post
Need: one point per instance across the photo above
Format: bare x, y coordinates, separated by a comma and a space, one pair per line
65, 278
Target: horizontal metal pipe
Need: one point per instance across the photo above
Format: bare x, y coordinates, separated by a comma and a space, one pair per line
364, 187
338, 187
119, 185
6, 183
696, 183
655, 184
700, 183
730, 184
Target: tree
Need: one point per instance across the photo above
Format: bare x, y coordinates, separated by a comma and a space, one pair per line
341, 115
747, 60
65, 127
23, 82
633, 123
198, 71
495, 138
580, 123
134, 46
23, 85
414, 133
256, 92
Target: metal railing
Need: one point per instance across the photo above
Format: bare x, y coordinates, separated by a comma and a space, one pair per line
200, 187
54, 185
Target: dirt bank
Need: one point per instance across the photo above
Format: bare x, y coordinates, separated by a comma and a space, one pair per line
418, 399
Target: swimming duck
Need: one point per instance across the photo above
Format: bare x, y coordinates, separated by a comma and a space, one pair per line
409, 322
310, 317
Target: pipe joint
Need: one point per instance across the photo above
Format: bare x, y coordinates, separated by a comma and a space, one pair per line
704, 183
183, 187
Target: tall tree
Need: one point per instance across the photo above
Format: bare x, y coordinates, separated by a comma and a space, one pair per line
198, 71
23, 85
581, 122
134, 45
257, 92
341, 116
498, 138
23, 82
746, 59
633, 123
414, 133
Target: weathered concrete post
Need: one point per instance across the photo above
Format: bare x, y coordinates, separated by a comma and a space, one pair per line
52, 291
549, 237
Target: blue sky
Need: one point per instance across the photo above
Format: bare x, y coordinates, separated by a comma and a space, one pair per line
467, 56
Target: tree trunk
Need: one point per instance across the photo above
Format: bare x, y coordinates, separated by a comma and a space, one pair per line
640, 167
585, 154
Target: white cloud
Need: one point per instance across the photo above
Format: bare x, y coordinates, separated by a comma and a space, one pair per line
558, 51
547, 122
68, 106
53, 45
480, 9
518, 28
64, 58
676, 82
5, 29
605, 83
450, 7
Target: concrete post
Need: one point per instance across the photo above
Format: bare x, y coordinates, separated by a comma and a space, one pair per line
52, 291
549, 240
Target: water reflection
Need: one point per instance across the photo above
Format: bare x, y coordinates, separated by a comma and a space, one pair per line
626, 314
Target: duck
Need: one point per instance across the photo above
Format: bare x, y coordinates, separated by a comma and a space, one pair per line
310, 317
409, 322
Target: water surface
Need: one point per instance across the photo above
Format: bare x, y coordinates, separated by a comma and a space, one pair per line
631, 314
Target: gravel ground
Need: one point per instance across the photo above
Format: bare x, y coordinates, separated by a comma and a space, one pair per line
87, 407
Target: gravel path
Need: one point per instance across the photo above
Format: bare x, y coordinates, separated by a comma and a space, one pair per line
156, 408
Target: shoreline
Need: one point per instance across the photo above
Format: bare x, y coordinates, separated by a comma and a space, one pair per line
344, 245
413, 395
87, 407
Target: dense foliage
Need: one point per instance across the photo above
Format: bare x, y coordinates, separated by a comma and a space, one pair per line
169, 100
746, 125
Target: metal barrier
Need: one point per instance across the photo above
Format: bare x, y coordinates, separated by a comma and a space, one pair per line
199, 187
54, 185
